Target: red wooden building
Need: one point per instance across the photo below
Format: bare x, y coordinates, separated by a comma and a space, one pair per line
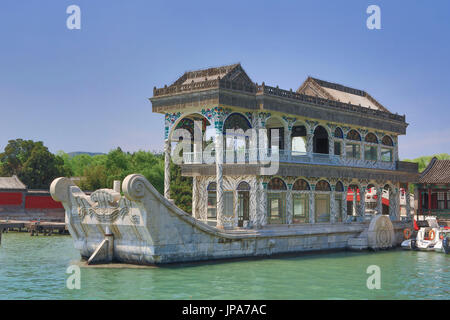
433, 190
17, 202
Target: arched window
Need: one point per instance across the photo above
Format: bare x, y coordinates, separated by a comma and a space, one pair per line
300, 202
370, 137
353, 150
212, 186
212, 201
320, 141
387, 141
243, 186
322, 202
276, 201
339, 187
298, 137
276, 184
236, 121
370, 151
234, 130
338, 201
353, 135
338, 134
275, 123
387, 149
300, 185
322, 185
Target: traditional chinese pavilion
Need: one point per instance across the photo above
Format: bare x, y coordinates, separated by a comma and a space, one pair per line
332, 139
433, 190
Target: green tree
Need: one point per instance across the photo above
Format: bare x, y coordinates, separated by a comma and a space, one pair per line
180, 189
33, 163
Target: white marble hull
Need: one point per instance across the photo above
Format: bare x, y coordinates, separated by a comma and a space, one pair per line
148, 229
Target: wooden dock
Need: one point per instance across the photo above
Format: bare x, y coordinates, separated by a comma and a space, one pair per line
35, 228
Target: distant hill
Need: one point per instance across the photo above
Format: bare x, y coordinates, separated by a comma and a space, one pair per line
425, 160
77, 153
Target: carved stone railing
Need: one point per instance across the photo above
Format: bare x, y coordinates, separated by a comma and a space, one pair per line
264, 89
268, 155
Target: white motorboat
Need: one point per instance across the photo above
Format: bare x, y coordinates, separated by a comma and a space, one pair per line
430, 238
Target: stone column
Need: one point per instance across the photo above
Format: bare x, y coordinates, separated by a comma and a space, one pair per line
393, 204
362, 195
354, 209
219, 173
331, 145
312, 202
344, 204
167, 168
235, 208
379, 200
408, 203
195, 195
288, 143
289, 206
309, 141
333, 204
262, 221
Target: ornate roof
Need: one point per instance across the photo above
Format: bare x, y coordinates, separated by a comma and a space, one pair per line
225, 76
11, 183
438, 171
338, 92
231, 85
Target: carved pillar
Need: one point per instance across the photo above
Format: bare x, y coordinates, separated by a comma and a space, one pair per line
332, 128
167, 169
263, 204
395, 156
219, 176
333, 204
235, 208
289, 207
344, 203
287, 143
312, 202
379, 200
362, 196
195, 194
408, 203
254, 204
310, 142
393, 204
354, 209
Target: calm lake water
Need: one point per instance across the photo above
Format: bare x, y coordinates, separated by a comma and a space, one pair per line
35, 268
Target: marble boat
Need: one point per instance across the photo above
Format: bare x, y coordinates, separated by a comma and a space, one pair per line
143, 227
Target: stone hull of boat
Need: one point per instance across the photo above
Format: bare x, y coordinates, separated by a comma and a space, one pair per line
146, 228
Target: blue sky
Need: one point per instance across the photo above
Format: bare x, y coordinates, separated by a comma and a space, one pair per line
88, 89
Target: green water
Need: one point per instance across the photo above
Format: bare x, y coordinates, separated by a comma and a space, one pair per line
35, 268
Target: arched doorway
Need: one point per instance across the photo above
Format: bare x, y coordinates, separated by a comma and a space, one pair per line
243, 192
320, 141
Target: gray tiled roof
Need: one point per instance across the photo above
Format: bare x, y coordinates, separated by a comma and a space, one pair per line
438, 171
11, 183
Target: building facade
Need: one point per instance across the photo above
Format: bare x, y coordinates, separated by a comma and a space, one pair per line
433, 190
261, 156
